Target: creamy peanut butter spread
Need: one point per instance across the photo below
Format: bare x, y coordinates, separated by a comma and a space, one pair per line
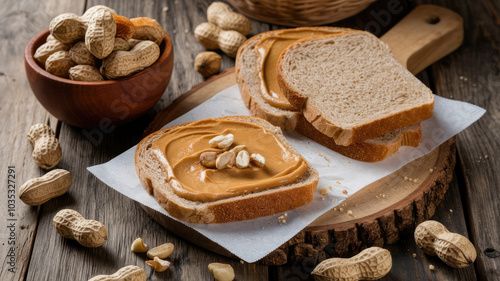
179, 151
270, 49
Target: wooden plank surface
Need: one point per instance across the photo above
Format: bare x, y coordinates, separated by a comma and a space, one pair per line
124, 219
43, 255
19, 109
472, 74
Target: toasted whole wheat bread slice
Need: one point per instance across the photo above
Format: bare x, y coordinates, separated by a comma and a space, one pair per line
243, 207
351, 88
373, 150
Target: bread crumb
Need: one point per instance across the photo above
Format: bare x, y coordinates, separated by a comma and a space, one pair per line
186, 31
283, 221
414, 255
286, 215
335, 209
242, 262
410, 179
262, 227
406, 178
349, 213
382, 195
341, 209
328, 165
415, 180
324, 156
323, 198
333, 200
431, 170
465, 79
451, 211
344, 191
431, 267
486, 156
337, 182
324, 191
165, 9
330, 187
461, 77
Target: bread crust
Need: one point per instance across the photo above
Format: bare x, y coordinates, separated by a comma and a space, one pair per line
294, 120
364, 151
347, 136
238, 208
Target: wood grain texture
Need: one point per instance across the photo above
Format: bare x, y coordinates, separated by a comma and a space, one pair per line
477, 61
19, 109
124, 219
472, 74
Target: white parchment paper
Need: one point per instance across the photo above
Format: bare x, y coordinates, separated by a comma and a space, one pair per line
252, 240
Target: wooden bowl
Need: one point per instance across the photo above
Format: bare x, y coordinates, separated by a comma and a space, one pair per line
97, 104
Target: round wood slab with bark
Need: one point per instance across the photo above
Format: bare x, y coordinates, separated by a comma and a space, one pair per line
382, 211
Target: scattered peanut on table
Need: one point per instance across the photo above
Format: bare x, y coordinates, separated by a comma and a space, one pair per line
221, 271
37, 191
207, 63
225, 29
212, 37
127, 273
222, 15
138, 246
370, 264
46, 148
452, 248
162, 251
158, 264
72, 225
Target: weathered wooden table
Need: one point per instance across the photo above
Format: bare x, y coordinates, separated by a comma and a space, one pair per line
471, 206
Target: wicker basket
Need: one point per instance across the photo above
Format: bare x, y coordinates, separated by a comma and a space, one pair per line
299, 12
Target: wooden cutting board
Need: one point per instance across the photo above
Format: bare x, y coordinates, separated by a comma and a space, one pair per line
383, 211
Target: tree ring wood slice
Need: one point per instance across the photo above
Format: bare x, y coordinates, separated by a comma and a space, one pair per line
382, 212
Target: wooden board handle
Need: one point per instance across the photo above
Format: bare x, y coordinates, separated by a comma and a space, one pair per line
424, 36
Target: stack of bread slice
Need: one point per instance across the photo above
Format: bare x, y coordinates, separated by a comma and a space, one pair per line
343, 88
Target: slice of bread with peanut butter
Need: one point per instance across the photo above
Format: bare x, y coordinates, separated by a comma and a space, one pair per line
256, 76
224, 169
